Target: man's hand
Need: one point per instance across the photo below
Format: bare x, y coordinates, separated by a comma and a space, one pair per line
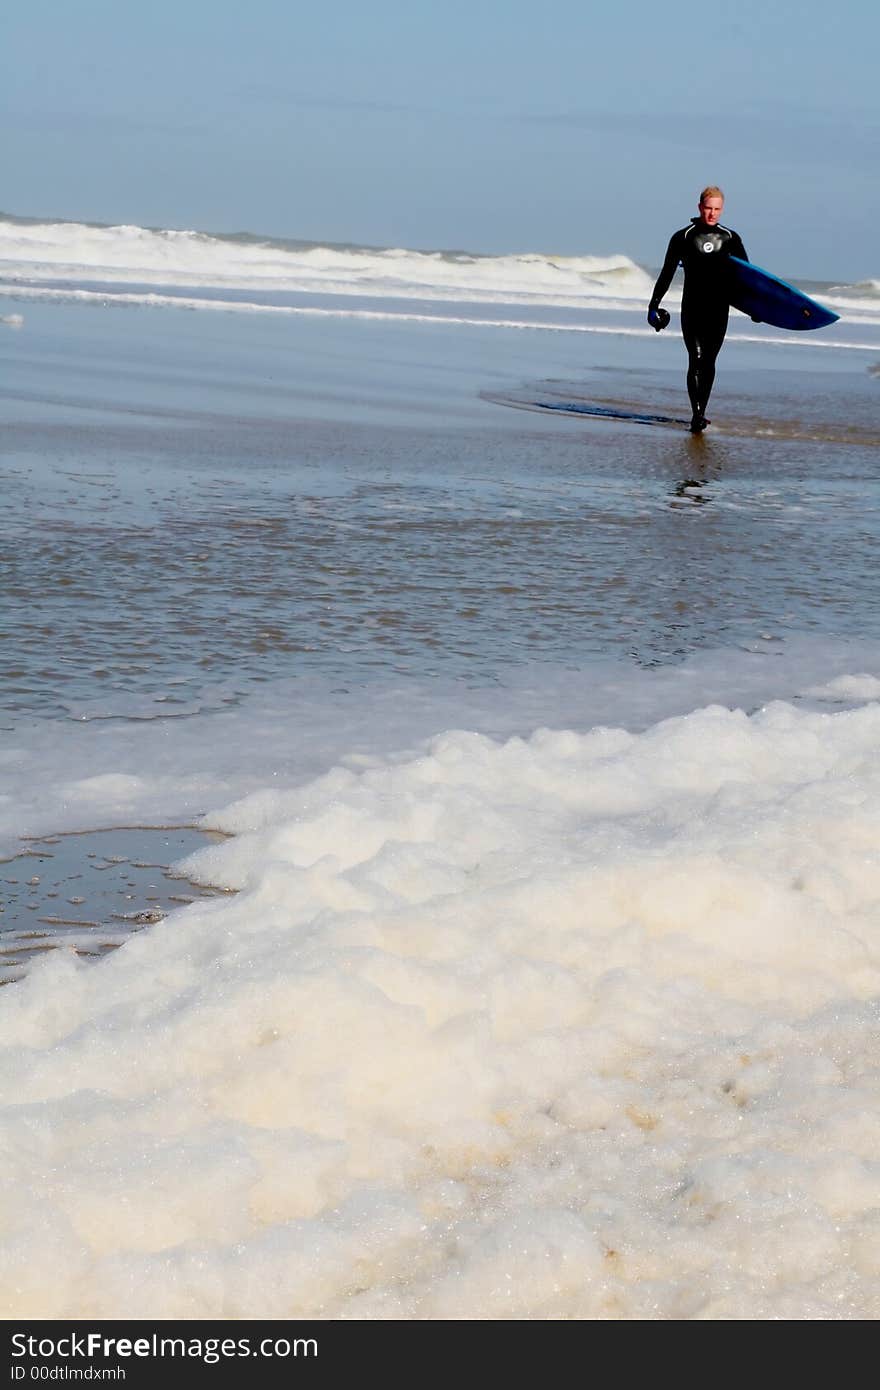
658, 318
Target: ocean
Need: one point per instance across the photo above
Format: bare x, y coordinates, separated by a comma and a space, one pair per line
439, 836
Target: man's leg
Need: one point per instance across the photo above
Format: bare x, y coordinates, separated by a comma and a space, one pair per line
703, 338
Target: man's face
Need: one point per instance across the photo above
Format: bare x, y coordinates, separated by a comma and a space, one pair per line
711, 210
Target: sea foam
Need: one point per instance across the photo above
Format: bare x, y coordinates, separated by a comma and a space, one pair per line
566, 1026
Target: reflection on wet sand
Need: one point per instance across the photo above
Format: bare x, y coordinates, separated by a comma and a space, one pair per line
690, 490
784, 416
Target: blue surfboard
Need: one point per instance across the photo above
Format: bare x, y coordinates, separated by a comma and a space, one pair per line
770, 300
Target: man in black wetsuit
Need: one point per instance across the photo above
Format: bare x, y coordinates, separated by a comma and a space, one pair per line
702, 249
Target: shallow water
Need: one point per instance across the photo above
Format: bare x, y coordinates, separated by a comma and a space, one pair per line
89, 892
162, 558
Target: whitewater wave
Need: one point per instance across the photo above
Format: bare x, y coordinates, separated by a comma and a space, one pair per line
862, 289
73, 252
140, 266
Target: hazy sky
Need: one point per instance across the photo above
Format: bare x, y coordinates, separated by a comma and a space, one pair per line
491, 125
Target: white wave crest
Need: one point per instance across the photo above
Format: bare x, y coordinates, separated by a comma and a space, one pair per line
863, 289
76, 252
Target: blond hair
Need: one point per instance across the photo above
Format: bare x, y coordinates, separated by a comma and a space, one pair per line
713, 191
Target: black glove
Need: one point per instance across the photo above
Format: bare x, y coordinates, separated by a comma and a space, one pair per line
658, 318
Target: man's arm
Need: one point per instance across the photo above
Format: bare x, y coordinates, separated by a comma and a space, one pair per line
670, 265
736, 247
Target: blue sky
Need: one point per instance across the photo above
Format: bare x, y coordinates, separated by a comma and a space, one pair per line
561, 127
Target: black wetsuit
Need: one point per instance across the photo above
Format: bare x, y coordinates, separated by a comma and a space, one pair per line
703, 254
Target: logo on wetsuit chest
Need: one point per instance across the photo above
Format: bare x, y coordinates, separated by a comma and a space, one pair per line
707, 242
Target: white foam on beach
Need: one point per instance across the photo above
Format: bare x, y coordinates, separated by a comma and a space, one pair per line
129, 760
569, 1025
862, 687
151, 300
